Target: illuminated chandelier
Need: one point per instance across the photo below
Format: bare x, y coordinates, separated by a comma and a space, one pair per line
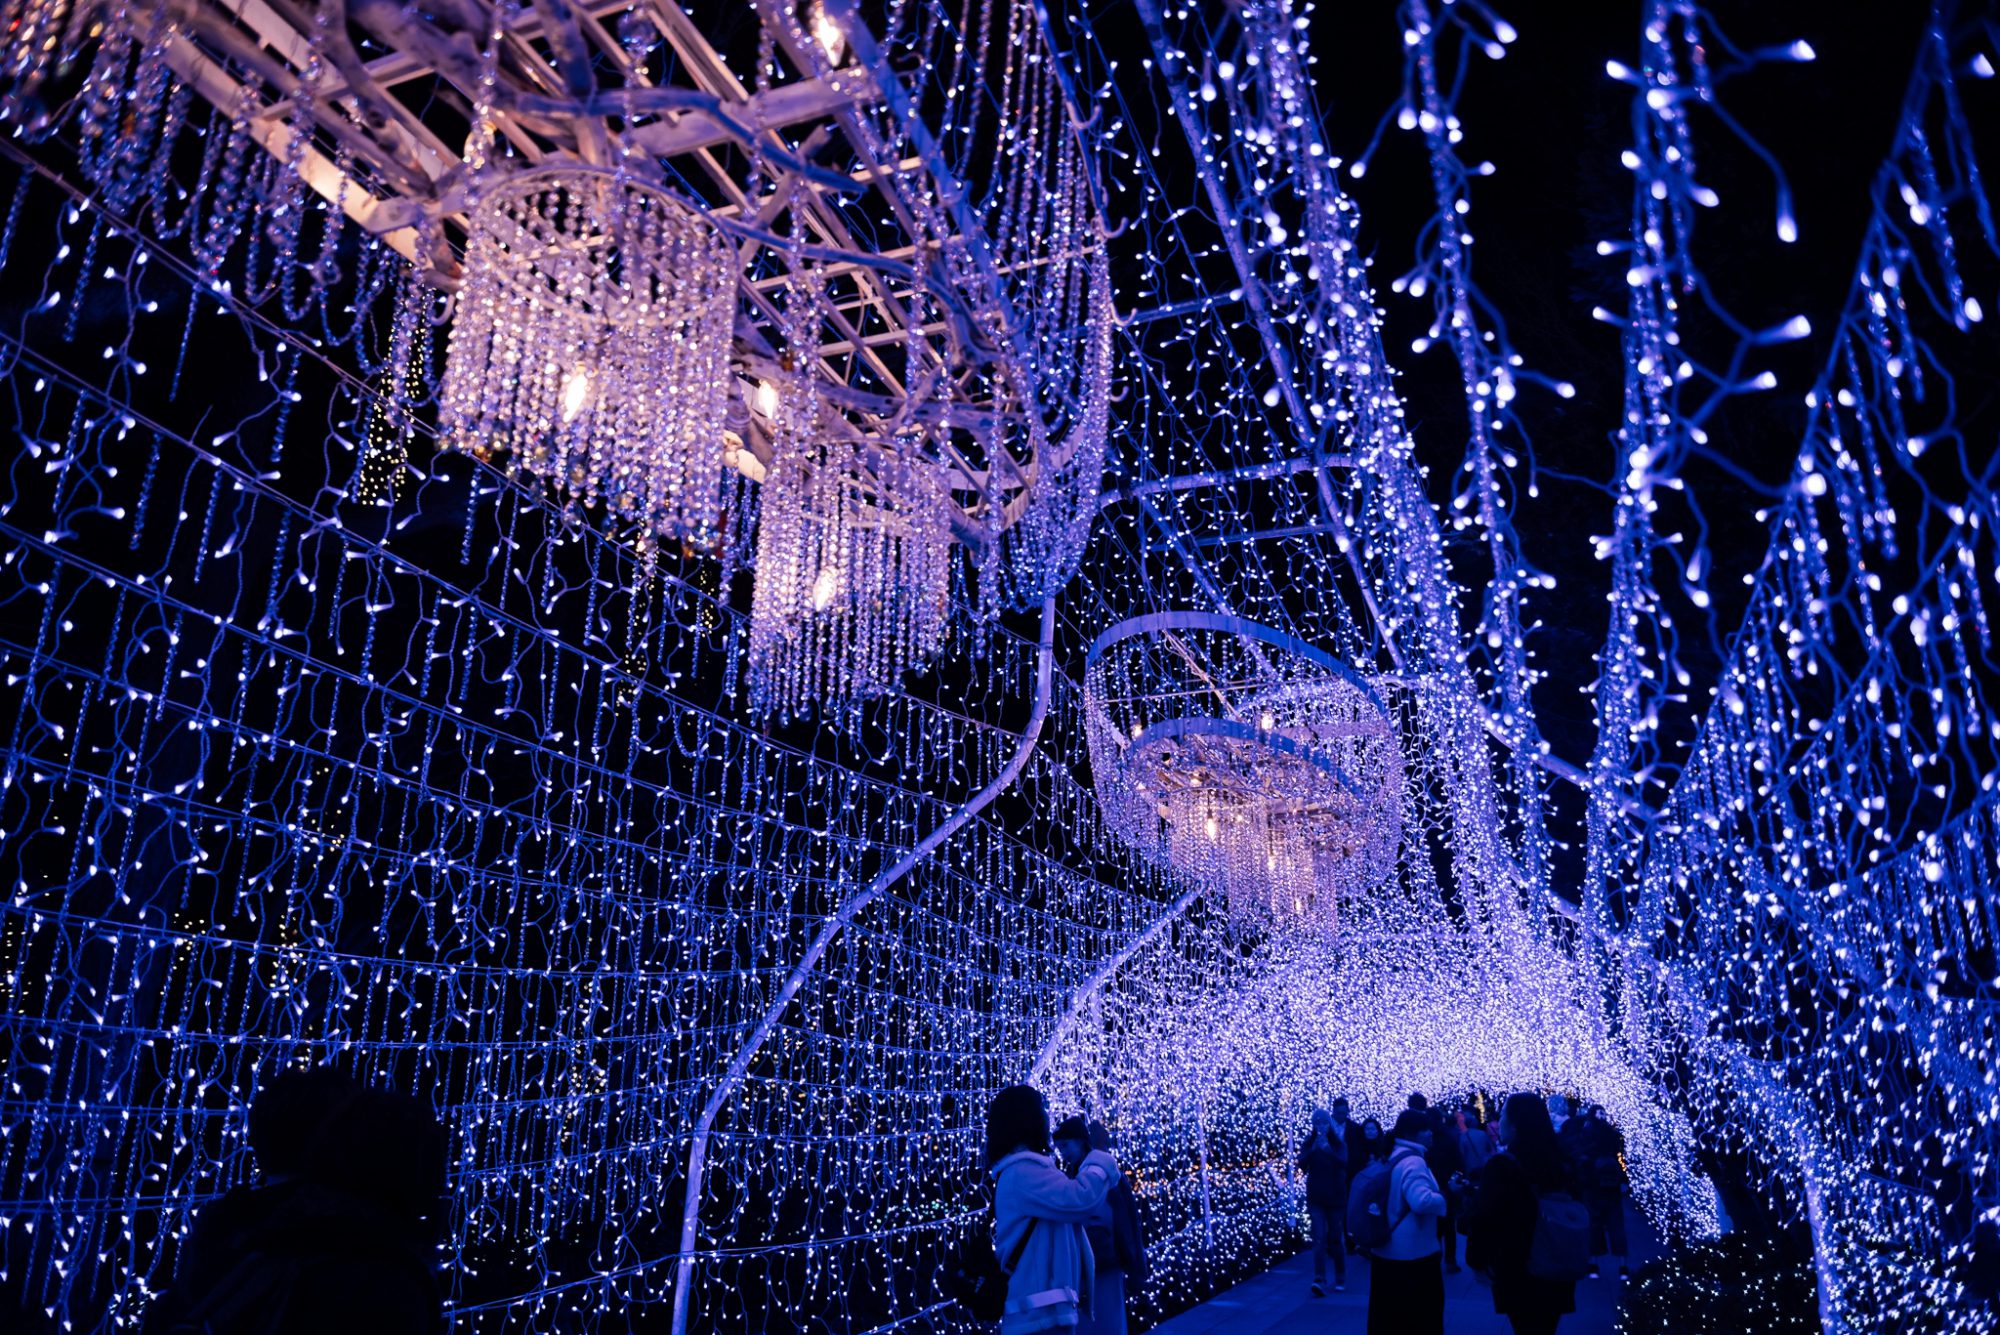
853, 574
1246, 759
591, 345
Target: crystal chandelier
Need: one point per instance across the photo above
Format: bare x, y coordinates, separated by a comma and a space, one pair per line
853, 575
591, 345
1247, 759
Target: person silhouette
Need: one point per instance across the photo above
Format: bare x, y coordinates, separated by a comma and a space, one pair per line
337, 1233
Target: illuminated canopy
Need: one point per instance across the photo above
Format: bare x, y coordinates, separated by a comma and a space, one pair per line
703, 588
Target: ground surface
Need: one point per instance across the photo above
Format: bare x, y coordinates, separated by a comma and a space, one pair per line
1280, 1302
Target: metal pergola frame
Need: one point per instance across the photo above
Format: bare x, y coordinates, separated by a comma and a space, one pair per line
901, 348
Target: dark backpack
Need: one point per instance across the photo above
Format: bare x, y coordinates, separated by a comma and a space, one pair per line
974, 1276
1368, 1203
1128, 1239
1561, 1246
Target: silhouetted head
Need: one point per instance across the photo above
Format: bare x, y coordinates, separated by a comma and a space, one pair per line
323, 1126
1415, 1126
1100, 1136
289, 1112
388, 1148
1017, 1119
1418, 1103
1072, 1140
1341, 1108
1529, 1135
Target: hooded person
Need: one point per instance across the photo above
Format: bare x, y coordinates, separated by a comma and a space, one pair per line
1324, 1159
1040, 1214
1406, 1283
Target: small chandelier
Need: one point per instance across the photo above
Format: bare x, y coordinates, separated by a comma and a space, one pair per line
853, 575
1245, 758
591, 344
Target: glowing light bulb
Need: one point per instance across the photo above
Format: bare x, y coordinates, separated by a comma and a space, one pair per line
764, 399
575, 393
827, 33
825, 589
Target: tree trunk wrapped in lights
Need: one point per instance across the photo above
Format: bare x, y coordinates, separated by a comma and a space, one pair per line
591, 346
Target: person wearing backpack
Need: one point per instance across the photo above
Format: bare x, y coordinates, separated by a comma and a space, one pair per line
1524, 1228
1324, 1159
1367, 1157
1400, 1205
1039, 1215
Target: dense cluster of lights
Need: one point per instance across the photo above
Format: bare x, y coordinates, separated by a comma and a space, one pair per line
853, 575
324, 742
1024, 247
1815, 911
1358, 1014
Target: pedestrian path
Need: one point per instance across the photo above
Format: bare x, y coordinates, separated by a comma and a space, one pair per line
1280, 1302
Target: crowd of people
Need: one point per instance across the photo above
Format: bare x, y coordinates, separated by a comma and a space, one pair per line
335, 1232
1537, 1192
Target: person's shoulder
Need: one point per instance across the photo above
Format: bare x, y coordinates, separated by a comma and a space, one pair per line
1016, 1170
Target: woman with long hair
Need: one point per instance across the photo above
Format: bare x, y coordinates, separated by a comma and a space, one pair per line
1039, 1214
1500, 1228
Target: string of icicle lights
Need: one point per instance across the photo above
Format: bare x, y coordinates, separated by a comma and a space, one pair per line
324, 745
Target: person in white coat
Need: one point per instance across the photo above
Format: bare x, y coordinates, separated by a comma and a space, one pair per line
1041, 1210
1406, 1277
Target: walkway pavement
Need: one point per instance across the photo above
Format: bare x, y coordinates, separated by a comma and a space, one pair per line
1280, 1302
